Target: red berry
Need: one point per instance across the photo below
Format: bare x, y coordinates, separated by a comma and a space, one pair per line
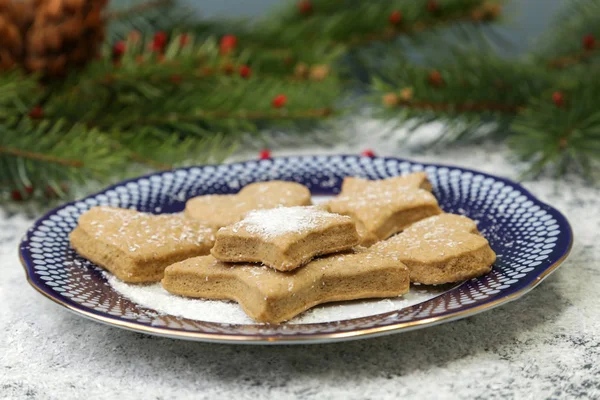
395, 17
245, 71
279, 101
435, 78
176, 78
36, 112
432, 6
368, 153
154, 47
228, 43
184, 39
264, 154
17, 195
119, 48
159, 41
589, 42
558, 98
305, 7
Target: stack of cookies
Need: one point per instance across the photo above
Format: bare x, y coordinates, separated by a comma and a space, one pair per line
276, 255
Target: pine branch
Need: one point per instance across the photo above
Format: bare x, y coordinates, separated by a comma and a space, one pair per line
41, 157
239, 115
453, 87
476, 107
140, 159
575, 58
133, 94
144, 107
574, 37
565, 136
341, 21
18, 94
394, 32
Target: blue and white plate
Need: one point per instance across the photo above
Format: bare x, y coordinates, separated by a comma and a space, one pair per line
530, 238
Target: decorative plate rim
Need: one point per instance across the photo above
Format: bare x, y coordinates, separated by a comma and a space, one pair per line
313, 338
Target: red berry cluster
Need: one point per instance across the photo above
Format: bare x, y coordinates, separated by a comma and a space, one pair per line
36, 112
395, 17
558, 98
20, 195
118, 50
264, 154
589, 42
368, 153
27, 193
305, 7
245, 71
159, 42
279, 101
432, 6
228, 44
435, 78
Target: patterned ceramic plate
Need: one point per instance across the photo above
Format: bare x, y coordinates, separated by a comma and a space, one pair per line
530, 238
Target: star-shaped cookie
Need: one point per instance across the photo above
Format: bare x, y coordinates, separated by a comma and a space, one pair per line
440, 249
137, 246
267, 295
416, 180
285, 238
222, 210
387, 206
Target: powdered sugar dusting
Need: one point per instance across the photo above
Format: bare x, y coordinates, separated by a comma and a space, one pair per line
383, 196
158, 299
137, 230
437, 235
285, 220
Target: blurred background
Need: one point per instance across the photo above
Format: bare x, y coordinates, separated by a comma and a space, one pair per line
93, 91
526, 19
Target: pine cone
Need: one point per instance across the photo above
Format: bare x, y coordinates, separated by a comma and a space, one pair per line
15, 18
64, 34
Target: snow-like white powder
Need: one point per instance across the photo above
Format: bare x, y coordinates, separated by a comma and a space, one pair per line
267, 222
158, 299
139, 231
284, 220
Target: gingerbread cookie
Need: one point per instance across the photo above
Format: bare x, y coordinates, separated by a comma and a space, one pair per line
440, 249
416, 180
222, 210
267, 295
367, 238
285, 238
136, 246
387, 206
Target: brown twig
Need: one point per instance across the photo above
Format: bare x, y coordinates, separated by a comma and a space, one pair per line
176, 77
142, 160
41, 157
465, 107
572, 59
148, 5
249, 115
151, 163
419, 26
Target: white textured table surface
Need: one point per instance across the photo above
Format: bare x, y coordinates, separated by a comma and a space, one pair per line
545, 345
